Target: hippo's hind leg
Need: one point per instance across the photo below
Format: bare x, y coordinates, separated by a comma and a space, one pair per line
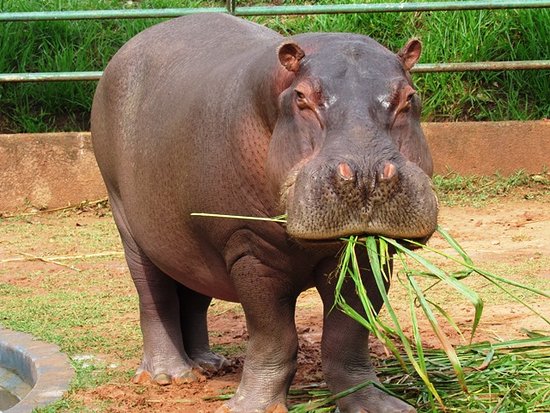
344, 348
193, 309
164, 358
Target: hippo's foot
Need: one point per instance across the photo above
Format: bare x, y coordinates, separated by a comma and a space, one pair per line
262, 396
164, 377
210, 361
230, 408
373, 401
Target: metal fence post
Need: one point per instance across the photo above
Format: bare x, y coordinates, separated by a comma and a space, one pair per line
231, 5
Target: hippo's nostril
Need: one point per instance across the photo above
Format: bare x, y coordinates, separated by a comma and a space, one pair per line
389, 172
345, 171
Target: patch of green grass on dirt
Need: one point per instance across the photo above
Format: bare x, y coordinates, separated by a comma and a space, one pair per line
230, 350
477, 191
87, 311
90, 311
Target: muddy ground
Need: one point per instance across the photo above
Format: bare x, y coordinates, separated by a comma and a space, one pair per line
510, 236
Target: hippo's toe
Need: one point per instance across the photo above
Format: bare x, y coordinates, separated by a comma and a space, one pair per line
274, 408
165, 379
376, 402
211, 362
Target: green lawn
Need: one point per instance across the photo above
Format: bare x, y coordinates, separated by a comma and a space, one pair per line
447, 37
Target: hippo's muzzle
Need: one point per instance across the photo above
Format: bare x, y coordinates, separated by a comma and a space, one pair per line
328, 200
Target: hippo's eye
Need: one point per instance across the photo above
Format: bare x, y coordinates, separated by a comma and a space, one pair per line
408, 102
301, 100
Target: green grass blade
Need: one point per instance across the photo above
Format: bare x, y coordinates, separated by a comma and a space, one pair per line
490, 278
455, 245
343, 269
471, 295
416, 330
280, 218
443, 339
495, 277
447, 316
372, 251
468, 263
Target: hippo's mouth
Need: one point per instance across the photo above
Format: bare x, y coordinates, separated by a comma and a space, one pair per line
409, 243
325, 237
318, 210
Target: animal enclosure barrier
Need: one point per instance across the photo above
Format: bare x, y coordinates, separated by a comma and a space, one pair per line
233, 8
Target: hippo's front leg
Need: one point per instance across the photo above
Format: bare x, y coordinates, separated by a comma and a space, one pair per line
345, 351
268, 300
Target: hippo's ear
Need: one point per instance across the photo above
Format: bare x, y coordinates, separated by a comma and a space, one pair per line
410, 53
290, 55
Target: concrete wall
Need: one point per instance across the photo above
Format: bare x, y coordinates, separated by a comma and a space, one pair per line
59, 169
47, 171
484, 148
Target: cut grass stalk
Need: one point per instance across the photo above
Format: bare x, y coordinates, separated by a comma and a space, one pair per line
280, 219
377, 248
29, 257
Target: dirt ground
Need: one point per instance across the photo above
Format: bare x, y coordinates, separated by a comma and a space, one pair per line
510, 236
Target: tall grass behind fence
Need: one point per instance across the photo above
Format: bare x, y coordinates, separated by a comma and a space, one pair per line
485, 35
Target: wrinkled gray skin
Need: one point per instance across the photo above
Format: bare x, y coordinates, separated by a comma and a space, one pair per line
210, 113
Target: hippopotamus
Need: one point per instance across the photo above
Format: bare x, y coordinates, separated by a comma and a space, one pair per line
211, 113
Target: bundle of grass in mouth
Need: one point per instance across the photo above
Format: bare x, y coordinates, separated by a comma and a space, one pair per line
415, 268
390, 332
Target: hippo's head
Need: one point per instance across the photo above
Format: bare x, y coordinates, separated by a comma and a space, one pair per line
347, 153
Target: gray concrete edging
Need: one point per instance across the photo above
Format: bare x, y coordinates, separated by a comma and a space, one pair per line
40, 364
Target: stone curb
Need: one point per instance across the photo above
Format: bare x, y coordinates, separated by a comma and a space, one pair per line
40, 364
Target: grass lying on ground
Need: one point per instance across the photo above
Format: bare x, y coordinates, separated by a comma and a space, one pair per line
420, 286
447, 37
512, 376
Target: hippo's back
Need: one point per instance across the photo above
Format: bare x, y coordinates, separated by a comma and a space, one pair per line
187, 39
161, 75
